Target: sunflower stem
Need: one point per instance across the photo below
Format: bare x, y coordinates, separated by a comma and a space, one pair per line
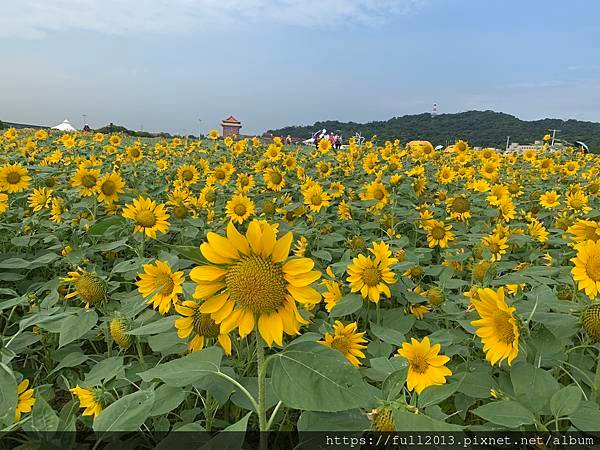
140, 354
142, 241
596, 385
273, 414
262, 385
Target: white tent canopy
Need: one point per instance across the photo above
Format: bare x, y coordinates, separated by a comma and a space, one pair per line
65, 126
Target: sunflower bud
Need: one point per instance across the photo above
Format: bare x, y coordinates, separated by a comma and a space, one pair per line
415, 272
91, 288
180, 212
400, 255
481, 269
326, 229
565, 292
594, 187
118, 331
435, 296
382, 419
514, 188
478, 251
268, 207
357, 242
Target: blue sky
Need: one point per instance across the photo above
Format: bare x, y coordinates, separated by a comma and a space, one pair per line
165, 64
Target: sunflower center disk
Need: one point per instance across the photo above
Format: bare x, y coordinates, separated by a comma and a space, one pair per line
493, 247
187, 175
239, 209
146, 219
419, 364
504, 329
165, 283
378, 194
342, 344
13, 177
88, 181
275, 178
256, 284
593, 267
438, 232
316, 199
371, 276
204, 325
460, 205
109, 188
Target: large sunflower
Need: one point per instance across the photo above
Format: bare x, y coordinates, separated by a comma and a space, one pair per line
239, 208
315, 198
371, 276
549, 199
134, 152
201, 326
14, 178
439, 234
496, 245
347, 340
40, 198
86, 180
161, 284
149, 217
578, 202
188, 174
109, 187
375, 191
587, 267
497, 326
244, 182
274, 178
251, 281
459, 207
426, 367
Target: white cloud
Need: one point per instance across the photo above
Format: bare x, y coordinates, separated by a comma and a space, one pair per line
38, 18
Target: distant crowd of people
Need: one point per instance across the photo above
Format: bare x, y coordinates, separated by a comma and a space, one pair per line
334, 138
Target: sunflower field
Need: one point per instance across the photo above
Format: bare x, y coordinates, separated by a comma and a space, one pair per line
222, 284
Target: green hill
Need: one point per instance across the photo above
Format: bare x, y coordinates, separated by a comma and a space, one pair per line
479, 128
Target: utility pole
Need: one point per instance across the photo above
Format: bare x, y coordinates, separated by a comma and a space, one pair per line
199, 128
84, 121
553, 135
507, 141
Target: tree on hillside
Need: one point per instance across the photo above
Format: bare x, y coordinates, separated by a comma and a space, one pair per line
479, 128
